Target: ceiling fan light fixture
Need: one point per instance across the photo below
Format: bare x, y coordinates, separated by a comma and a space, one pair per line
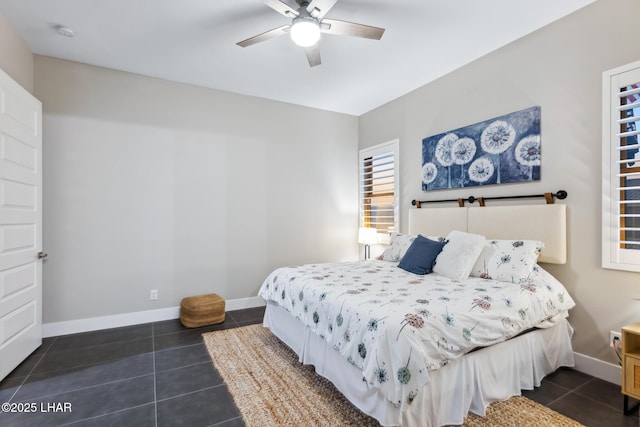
305, 31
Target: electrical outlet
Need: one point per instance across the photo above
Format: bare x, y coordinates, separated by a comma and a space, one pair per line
615, 339
153, 295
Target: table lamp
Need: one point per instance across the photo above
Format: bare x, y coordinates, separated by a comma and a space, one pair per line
367, 236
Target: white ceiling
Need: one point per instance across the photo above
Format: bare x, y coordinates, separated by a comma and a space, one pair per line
194, 41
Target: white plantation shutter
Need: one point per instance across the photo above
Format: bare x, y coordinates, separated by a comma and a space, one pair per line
629, 171
621, 168
379, 188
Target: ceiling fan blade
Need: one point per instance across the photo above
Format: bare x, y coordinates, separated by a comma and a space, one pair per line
319, 8
313, 54
344, 28
265, 36
288, 8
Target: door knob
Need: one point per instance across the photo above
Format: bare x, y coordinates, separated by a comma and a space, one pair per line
42, 255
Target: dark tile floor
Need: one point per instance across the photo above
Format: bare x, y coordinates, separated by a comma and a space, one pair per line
160, 374
155, 374
588, 400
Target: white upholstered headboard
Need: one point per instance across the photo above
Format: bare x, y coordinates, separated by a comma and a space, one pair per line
547, 223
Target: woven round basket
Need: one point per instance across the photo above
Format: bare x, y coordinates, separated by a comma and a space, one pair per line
202, 310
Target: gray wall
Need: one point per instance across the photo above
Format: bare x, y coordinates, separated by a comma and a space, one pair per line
150, 184
560, 69
16, 58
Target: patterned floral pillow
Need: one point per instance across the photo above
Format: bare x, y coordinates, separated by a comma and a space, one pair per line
398, 246
507, 260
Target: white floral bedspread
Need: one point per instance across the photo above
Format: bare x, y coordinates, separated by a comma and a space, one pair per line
397, 326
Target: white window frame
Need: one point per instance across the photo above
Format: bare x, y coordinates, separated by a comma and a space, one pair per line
613, 256
386, 147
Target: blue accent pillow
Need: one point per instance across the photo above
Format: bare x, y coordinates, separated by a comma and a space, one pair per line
421, 255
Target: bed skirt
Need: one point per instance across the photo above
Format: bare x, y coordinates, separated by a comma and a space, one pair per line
470, 383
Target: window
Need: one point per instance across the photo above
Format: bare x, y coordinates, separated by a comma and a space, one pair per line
621, 168
379, 189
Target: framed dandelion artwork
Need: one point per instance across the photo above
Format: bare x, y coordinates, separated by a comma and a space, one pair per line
501, 150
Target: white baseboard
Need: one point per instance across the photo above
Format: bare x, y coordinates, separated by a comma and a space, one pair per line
598, 368
126, 319
240, 303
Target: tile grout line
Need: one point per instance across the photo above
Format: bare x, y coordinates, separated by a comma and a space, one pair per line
193, 392
577, 391
90, 386
109, 359
127, 339
103, 415
32, 369
88, 365
568, 392
226, 421
179, 346
185, 366
155, 387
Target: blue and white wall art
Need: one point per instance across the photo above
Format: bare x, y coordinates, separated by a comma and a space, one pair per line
500, 150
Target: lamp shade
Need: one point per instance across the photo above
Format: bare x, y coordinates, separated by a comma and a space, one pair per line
367, 236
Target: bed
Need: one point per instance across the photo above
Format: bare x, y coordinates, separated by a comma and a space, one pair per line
423, 350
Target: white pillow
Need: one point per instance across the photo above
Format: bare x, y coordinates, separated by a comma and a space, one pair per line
507, 260
459, 255
398, 246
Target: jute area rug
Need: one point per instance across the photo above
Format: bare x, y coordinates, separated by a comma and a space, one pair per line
271, 388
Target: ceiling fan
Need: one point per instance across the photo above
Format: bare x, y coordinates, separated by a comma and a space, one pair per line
308, 22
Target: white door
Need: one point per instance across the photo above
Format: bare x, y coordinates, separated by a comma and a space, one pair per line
20, 224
